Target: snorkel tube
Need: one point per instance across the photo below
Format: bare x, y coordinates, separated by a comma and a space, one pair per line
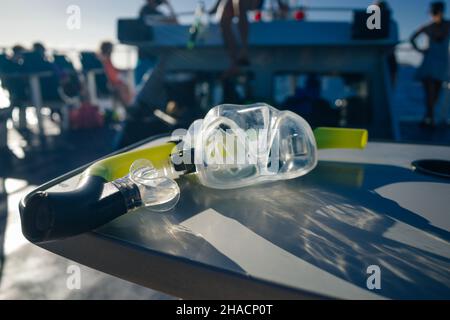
106, 190
266, 145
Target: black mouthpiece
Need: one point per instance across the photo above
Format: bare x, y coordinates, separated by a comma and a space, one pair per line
48, 216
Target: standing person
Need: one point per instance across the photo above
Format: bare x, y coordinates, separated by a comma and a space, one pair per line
120, 88
227, 10
151, 13
434, 69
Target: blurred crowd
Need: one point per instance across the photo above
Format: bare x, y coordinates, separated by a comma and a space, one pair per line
62, 84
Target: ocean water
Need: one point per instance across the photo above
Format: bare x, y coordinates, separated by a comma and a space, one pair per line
407, 95
408, 98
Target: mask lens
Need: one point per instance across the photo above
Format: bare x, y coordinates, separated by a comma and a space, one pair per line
243, 145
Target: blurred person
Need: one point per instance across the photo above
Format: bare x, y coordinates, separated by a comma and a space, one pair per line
148, 13
85, 115
50, 84
226, 11
40, 49
120, 88
41, 52
17, 53
434, 68
151, 8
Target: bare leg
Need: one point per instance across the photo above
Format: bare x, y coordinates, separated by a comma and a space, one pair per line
242, 7
432, 92
428, 88
437, 92
226, 22
243, 28
437, 88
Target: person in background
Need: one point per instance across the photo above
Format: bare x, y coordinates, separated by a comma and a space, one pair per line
42, 63
149, 14
41, 51
120, 88
17, 54
151, 8
434, 68
39, 48
226, 11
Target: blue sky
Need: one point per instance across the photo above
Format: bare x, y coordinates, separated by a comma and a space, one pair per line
26, 21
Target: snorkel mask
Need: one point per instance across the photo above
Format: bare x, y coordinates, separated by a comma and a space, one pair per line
238, 146
232, 147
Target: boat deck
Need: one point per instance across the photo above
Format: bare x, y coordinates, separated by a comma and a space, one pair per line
315, 236
36, 160
27, 271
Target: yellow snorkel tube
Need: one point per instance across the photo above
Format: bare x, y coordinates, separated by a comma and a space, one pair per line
341, 138
118, 166
146, 177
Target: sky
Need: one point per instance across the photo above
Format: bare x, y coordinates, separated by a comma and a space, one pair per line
27, 21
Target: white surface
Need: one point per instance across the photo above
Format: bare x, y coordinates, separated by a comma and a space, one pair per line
263, 259
395, 154
430, 200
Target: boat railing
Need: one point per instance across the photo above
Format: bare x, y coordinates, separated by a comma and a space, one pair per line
306, 9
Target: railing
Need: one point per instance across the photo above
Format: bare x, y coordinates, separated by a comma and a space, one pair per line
124, 56
310, 13
292, 8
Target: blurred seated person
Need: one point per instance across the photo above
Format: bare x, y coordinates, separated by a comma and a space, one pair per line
17, 54
150, 14
40, 49
304, 97
150, 11
44, 62
120, 88
227, 10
